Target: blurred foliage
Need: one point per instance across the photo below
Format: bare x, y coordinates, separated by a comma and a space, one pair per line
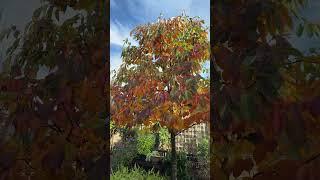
55, 125
136, 173
265, 91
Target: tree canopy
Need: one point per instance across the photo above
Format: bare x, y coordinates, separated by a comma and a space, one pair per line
159, 79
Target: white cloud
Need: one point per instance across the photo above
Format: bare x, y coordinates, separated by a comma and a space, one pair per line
119, 32
150, 10
115, 61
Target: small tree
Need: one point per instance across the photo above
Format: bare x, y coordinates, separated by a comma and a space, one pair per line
159, 80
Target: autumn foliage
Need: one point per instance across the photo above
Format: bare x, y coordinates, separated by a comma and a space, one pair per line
54, 126
265, 92
159, 80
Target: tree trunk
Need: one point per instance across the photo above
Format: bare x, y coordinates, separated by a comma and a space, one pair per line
157, 143
173, 156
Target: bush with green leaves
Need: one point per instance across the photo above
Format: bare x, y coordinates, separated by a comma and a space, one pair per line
123, 154
164, 137
123, 173
203, 148
145, 142
203, 157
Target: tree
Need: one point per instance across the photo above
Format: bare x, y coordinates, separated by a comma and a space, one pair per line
55, 125
159, 80
265, 92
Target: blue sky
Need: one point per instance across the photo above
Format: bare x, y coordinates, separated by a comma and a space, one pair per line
127, 14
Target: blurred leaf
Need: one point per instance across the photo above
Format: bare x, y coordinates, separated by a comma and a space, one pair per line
56, 13
300, 30
37, 13
248, 60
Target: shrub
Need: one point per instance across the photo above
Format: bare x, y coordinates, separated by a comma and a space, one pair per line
203, 149
164, 137
123, 173
203, 157
134, 142
123, 154
145, 142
